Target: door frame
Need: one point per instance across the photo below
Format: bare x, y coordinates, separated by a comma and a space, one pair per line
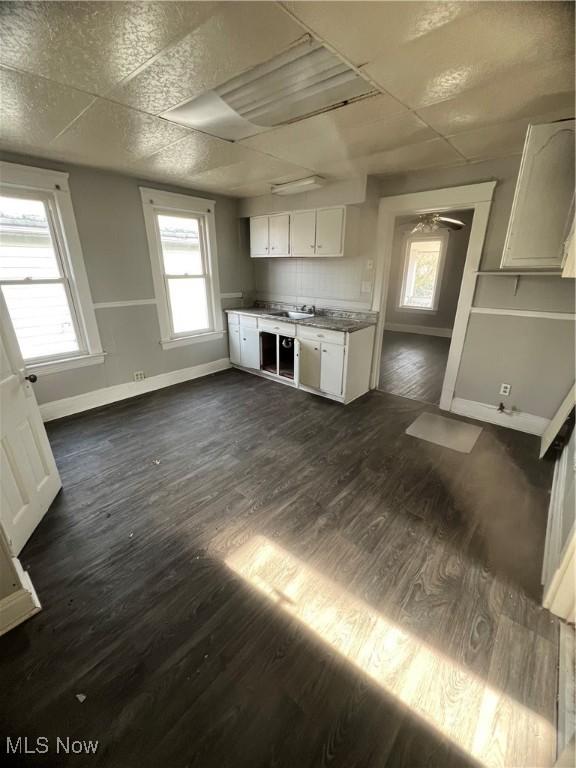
477, 197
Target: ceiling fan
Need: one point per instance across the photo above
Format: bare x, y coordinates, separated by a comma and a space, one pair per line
432, 222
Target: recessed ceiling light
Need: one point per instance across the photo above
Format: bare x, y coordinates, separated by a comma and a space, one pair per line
304, 80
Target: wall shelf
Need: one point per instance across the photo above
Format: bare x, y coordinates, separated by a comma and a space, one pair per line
526, 273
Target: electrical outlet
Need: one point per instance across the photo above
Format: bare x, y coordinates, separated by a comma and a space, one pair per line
505, 389
139, 375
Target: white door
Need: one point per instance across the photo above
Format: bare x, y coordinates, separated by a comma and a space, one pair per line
234, 343
259, 236
250, 347
279, 234
332, 369
310, 363
29, 479
303, 226
329, 227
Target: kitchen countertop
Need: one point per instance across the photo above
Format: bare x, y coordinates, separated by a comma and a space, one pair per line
345, 324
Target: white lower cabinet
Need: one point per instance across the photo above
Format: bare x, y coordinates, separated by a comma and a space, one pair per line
234, 344
332, 363
331, 368
310, 363
250, 347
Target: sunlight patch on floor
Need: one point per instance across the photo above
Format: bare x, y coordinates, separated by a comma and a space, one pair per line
482, 721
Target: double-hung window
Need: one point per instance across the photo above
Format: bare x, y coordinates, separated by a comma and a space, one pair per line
182, 243
423, 265
41, 285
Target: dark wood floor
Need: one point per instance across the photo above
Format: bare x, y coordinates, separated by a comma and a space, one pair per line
296, 584
413, 365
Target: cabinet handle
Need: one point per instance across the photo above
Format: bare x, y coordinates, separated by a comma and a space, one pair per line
318, 246
273, 247
312, 246
320, 335
315, 349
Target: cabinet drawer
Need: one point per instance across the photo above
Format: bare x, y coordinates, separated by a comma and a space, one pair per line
248, 321
233, 319
277, 326
319, 334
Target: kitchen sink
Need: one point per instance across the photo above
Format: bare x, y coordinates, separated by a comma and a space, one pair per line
293, 315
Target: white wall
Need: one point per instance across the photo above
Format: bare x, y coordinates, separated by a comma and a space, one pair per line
110, 222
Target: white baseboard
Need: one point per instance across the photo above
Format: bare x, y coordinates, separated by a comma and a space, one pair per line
422, 329
56, 409
523, 422
21, 604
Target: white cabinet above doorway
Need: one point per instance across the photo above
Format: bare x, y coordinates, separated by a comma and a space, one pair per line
543, 207
314, 233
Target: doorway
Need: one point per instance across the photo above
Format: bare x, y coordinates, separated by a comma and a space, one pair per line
426, 269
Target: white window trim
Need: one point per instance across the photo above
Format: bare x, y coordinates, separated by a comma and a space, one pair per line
54, 184
410, 237
154, 200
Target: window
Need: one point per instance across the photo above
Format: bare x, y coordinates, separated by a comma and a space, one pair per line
423, 265
182, 246
36, 270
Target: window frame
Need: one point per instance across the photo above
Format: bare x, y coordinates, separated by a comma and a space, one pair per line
51, 187
409, 239
154, 203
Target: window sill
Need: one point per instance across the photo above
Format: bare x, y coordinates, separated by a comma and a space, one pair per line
183, 341
66, 364
432, 311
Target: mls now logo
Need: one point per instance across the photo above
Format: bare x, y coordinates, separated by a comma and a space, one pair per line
22, 745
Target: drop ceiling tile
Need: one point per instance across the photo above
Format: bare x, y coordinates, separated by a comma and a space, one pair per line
494, 141
522, 92
109, 133
258, 168
361, 31
474, 50
334, 142
342, 121
427, 154
194, 154
236, 38
91, 45
34, 110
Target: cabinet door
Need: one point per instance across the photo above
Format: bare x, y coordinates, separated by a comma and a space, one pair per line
280, 234
329, 229
234, 343
332, 369
543, 198
259, 236
310, 363
250, 347
303, 233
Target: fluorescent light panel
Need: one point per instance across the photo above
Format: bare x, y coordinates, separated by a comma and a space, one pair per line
301, 81
301, 185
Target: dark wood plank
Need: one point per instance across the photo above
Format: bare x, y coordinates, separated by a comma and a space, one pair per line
413, 365
295, 583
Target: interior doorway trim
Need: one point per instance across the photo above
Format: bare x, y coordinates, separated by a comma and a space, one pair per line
477, 197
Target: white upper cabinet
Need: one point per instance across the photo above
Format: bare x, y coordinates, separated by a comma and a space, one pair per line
270, 235
303, 233
329, 231
279, 228
543, 201
259, 242
300, 233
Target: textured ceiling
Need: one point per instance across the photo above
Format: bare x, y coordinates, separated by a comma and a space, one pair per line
458, 82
